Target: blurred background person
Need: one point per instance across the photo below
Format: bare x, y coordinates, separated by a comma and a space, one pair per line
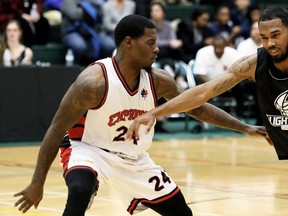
250, 45
82, 31
169, 51
170, 47
214, 60
12, 50
194, 33
29, 14
167, 40
113, 11
222, 25
241, 19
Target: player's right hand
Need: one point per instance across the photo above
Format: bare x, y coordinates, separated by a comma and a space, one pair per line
147, 119
31, 195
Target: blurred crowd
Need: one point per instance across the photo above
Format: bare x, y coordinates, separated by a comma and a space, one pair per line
213, 41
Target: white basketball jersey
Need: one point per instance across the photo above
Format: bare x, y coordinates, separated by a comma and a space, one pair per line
106, 126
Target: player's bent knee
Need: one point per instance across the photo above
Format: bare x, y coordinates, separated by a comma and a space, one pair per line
81, 181
82, 184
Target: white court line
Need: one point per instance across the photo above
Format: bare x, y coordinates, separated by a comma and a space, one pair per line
96, 198
87, 214
7, 193
41, 208
61, 194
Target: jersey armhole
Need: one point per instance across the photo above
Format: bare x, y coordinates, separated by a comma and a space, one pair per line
107, 85
153, 88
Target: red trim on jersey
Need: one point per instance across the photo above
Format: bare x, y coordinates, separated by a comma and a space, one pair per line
153, 88
106, 82
123, 81
135, 202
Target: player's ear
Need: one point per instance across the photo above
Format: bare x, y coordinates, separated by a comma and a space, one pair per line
128, 42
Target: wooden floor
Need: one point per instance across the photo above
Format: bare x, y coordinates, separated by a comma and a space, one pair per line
219, 177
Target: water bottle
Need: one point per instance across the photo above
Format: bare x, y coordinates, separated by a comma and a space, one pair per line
69, 58
34, 10
7, 59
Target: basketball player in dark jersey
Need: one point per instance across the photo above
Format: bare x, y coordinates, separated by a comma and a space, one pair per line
106, 97
268, 68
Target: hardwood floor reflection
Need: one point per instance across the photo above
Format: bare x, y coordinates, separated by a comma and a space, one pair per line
235, 176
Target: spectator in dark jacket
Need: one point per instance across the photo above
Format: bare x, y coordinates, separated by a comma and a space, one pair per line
194, 33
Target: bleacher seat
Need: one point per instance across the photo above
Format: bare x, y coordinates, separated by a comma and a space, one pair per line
53, 53
184, 11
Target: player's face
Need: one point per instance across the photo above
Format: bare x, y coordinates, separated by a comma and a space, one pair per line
146, 49
274, 38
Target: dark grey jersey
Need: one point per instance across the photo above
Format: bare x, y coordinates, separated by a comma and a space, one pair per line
272, 91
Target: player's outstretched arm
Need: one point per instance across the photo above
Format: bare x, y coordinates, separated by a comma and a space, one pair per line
197, 96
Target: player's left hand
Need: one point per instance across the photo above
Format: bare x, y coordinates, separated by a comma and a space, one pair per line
31, 196
147, 119
258, 131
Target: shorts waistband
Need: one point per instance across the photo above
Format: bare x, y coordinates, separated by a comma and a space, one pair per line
120, 154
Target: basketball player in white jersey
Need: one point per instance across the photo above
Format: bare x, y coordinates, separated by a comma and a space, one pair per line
97, 111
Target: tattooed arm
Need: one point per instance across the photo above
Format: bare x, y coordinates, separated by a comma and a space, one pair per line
192, 98
86, 92
193, 101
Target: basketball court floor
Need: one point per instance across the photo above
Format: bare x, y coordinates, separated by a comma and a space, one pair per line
219, 176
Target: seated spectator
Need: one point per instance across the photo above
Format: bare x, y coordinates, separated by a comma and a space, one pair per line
255, 12
170, 47
194, 33
241, 18
213, 60
114, 11
35, 26
12, 51
222, 25
169, 51
251, 44
167, 40
81, 28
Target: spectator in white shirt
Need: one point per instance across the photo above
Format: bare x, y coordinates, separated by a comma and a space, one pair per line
251, 44
214, 60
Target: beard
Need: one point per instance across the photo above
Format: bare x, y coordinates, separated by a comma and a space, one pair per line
279, 58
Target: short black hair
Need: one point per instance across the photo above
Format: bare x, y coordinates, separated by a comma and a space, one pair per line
132, 25
274, 12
